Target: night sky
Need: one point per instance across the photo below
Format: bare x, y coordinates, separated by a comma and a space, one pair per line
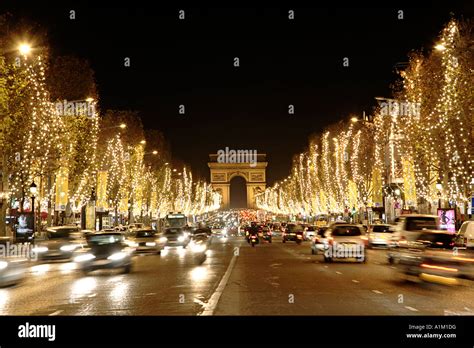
282, 62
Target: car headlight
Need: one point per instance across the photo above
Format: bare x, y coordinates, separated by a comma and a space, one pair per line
84, 257
69, 247
198, 248
163, 240
117, 256
131, 243
150, 244
181, 239
40, 249
3, 264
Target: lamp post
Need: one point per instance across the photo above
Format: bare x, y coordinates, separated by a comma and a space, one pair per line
33, 189
439, 187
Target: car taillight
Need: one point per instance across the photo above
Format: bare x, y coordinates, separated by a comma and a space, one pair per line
330, 240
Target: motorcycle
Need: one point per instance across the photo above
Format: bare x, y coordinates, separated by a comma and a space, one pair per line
253, 240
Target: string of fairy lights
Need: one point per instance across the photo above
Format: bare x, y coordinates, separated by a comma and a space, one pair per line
56, 147
427, 155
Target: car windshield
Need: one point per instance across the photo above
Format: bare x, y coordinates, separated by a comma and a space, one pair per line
346, 231
382, 229
61, 233
104, 239
421, 223
145, 233
295, 228
443, 241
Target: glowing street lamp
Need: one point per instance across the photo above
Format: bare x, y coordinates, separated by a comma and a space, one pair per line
123, 126
24, 49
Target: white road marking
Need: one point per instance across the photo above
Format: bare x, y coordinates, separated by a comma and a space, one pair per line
211, 305
355, 281
411, 308
337, 272
377, 292
56, 313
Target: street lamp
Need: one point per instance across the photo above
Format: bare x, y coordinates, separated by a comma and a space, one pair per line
439, 187
33, 190
24, 49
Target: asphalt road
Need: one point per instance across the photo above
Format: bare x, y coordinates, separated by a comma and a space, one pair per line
236, 279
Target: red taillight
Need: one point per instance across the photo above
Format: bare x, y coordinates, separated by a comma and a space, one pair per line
330, 240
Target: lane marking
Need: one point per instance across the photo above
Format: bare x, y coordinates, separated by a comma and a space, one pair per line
411, 308
211, 305
56, 313
337, 272
377, 292
355, 281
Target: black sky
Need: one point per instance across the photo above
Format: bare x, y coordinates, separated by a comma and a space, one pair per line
282, 62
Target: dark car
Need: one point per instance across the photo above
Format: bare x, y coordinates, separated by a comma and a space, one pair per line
105, 250
293, 232
146, 240
177, 236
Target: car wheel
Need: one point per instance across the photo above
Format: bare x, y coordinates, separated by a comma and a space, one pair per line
86, 270
327, 259
312, 251
127, 269
158, 252
283, 240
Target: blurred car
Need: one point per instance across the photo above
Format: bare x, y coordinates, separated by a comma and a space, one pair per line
465, 234
146, 240
310, 232
407, 228
60, 244
12, 270
176, 237
345, 241
267, 234
432, 257
380, 235
105, 250
319, 242
293, 232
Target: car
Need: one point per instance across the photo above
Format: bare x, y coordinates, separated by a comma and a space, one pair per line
12, 270
146, 240
293, 232
267, 234
310, 232
176, 237
319, 242
60, 244
434, 257
409, 227
345, 241
466, 234
105, 250
380, 235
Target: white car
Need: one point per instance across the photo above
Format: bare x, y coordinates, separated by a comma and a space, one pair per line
12, 271
380, 235
466, 234
346, 241
319, 242
409, 227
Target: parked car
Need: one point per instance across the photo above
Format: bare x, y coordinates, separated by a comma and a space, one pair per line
105, 250
146, 240
60, 244
346, 241
380, 235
